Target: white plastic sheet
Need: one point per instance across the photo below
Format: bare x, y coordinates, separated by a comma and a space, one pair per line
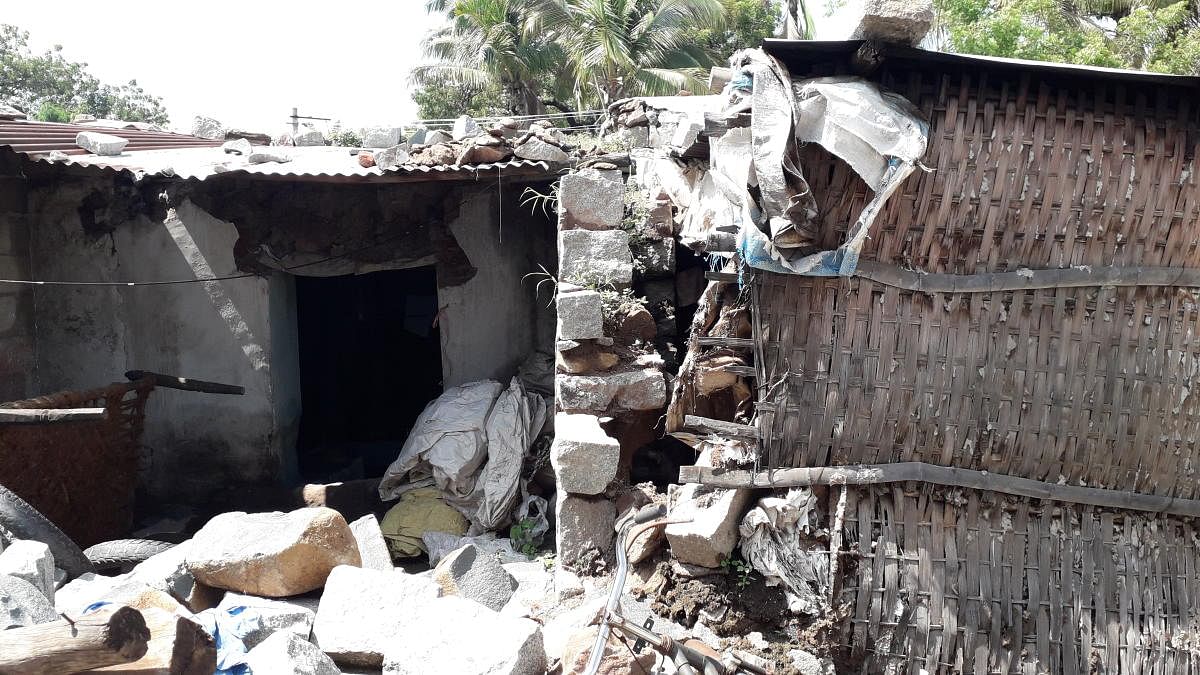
779, 541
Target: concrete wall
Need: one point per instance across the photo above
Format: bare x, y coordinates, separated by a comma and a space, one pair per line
16, 302
213, 330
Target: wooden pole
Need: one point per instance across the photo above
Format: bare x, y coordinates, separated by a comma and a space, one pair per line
185, 383
49, 415
1024, 279
103, 638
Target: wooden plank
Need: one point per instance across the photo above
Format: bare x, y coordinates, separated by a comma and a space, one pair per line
49, 415
186, 383
102, 638
939, 475
714, 341
719, 427
722, 277
744, 371
1024, 279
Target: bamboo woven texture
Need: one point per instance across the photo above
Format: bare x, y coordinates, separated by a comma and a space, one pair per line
80, 475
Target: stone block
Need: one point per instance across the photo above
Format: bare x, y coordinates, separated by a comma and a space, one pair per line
272, 554
590, 199
383, 137
22, 604
584, 529
474, 574
391, 156
364, 613
537, 150
580, 315
584, 458
465, 127
643, 389
288, 654
238, 146
712, 533
265, 155
308, 137
372, 547
535, 584
31, 561
895, 21
207, 127
463, 637
436, 136
275, 616
100, 144
587, 257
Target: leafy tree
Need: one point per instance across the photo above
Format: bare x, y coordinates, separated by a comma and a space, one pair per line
747, 24
797, 21
56, 87
450, 99
1154, 35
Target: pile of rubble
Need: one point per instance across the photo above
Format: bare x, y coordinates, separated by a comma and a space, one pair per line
470, 143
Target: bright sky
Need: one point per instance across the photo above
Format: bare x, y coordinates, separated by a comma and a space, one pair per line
248, 63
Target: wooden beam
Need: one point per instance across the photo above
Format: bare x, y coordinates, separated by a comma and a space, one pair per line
185, 383
716, 341
105, 637
744, 371
719, 427
722, 277
991, 282
49, 415
938, 475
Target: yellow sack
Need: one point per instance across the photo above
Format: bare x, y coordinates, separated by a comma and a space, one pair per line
419, 511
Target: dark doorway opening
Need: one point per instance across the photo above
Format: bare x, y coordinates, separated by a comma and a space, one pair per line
370, 360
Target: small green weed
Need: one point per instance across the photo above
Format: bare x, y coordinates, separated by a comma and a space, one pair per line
739, 570
521, 534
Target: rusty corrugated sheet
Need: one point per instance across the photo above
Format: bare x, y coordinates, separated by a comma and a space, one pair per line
37, 138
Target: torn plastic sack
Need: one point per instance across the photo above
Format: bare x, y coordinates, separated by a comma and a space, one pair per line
515, 420
779, 539
439, 544
419, 512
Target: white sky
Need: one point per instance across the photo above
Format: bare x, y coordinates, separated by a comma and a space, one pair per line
247, 63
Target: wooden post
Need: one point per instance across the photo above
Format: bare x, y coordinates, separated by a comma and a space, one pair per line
102, 638
185, 383
178, 646
49, 415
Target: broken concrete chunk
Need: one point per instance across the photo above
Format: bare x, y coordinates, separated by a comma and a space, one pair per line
537, 150
580, 315
806, 663
463, 637
31, 561
275, 616
272, 554
372, 547
436, 136
239, 146
289, 654
363, 613
591, 200
583, 456
584, 534
465, 127
897, 21
264, 155
643, 389
308, 137
100, 144
383, 137
22, 604
712, 534
587, 257
476, 575
207, 127
391, 156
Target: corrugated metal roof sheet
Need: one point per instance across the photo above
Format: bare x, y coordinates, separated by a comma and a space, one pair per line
33, 138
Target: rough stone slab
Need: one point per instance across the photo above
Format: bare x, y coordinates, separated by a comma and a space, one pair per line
584, 525
272, 554
238, 146
475, 574
207, 127
391, 156
895, 21
308, 137
289, 654
465, 127
580, 315
590, 199
22, 604
535, 585
31, 561
100, 144
712, 534
583, 456
383, 137
364, 612
436, 136
276, 616
643, 389
264, 155
463, 637
595, 257
372, 547
537, 150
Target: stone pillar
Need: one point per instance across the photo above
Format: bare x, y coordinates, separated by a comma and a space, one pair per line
16, 302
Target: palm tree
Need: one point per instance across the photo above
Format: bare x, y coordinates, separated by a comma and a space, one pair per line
797, 22
491, 41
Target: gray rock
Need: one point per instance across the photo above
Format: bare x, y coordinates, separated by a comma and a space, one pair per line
418, 136
31, 561
591, 200
535, 149
308, 137
82, 118
587, 257
583, 456
239, 146
580, 315
97, 143
463, 637
437, 136
22, 604
207, 127
643, 389
809, 664
465, 127
276, 617
471, 573
264, 155
364, 612
383, 137
535, 584
372, 547
896, 21
389, 157
712, 533
289, 654
584, 528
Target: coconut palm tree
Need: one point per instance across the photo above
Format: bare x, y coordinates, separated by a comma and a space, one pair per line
797, 22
